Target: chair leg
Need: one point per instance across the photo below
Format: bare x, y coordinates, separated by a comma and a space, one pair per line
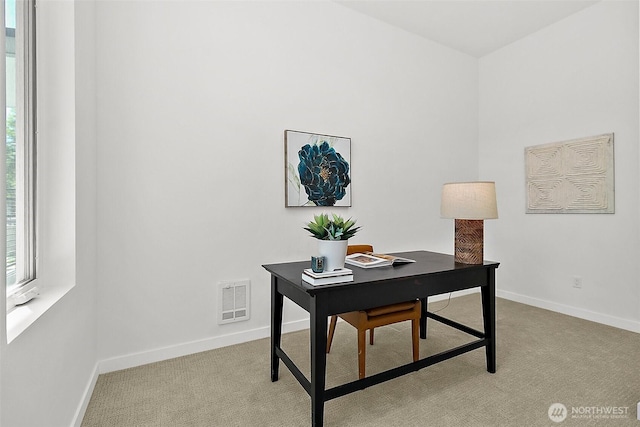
361, 351
332, 329
415, 338
371, 336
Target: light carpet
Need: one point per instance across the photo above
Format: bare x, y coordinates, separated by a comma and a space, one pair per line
543, 358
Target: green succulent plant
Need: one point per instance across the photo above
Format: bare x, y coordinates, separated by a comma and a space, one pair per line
335, 228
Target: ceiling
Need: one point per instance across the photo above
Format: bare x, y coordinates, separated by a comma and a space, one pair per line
476, 27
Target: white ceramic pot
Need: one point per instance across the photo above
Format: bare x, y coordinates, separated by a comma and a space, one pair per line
334, 252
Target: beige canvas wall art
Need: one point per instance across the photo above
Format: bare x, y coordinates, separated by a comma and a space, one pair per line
575, 176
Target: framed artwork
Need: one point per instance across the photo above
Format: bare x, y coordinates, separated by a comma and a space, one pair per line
573, 176
317, 169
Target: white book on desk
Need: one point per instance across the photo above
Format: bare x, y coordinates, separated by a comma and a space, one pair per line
342, 278
323, 274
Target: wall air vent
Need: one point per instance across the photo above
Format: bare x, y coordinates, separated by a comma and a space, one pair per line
234, 301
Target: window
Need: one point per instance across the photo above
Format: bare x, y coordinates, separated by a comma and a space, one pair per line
20, 143
54, 207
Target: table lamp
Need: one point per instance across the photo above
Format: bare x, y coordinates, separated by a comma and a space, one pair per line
469, 203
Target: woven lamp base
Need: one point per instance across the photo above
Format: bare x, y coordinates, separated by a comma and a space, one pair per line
469, 241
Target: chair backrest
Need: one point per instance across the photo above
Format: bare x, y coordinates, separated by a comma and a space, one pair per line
352, 249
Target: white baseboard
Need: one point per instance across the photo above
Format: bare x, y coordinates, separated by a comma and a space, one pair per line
184, 349
157, 355
86, 397
617, 322
455, 294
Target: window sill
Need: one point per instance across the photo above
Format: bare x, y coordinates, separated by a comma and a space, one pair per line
23, 316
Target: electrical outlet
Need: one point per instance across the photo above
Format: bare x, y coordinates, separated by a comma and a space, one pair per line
577, 282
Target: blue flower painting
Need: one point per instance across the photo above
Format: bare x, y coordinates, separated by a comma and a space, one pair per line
318, 171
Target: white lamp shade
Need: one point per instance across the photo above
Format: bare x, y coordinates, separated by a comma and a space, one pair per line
469, 200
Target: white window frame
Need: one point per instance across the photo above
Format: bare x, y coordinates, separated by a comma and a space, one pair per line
56, 166
26, 131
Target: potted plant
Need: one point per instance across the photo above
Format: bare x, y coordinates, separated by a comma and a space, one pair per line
333, 234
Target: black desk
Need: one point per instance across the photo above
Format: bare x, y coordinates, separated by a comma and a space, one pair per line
431, 274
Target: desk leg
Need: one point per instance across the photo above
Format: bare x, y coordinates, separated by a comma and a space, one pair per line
489, 317
423, 318
318, 319
276, 326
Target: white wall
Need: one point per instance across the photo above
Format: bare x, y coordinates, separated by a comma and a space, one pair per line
47, 370
193, 99
574, 79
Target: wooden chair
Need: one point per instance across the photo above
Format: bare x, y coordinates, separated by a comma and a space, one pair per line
375, 317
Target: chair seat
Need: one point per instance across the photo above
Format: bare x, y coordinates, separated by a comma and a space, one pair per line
391, 308
379, 316
385, 315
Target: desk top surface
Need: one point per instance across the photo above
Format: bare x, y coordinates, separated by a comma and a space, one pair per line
427, 263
